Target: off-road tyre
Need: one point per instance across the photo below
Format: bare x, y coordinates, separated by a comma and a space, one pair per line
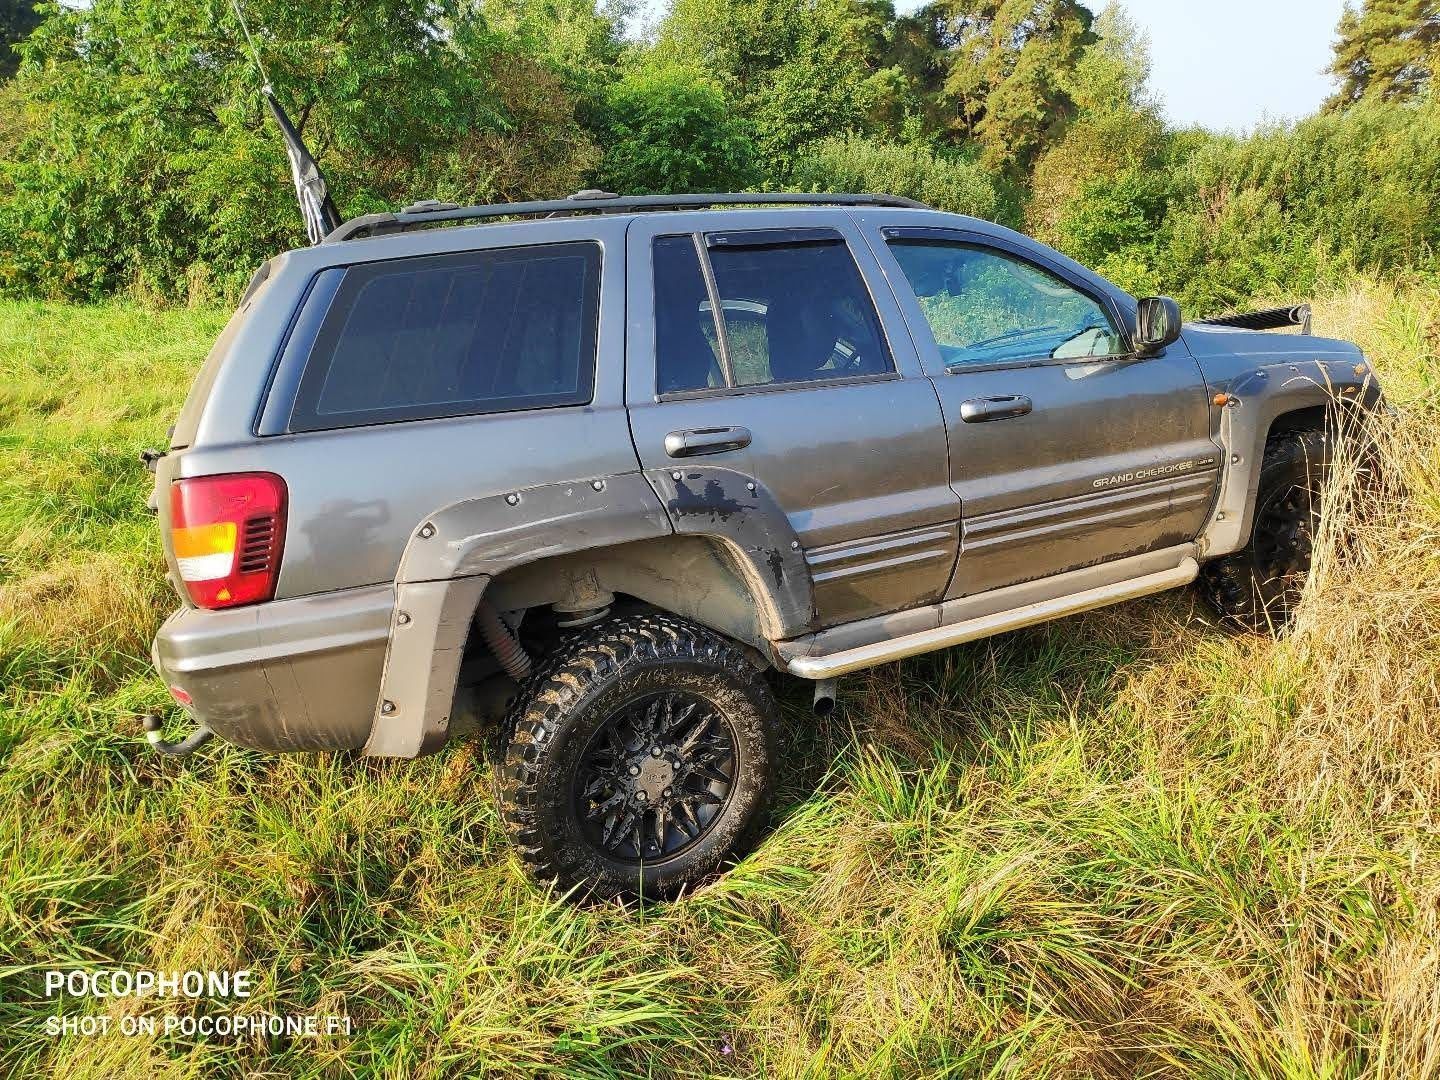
1258, 587
608, 681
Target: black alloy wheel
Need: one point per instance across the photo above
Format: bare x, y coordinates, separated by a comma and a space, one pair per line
640, 759
656, 776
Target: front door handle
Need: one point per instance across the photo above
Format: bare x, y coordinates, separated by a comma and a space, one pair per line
983, 410
697, 442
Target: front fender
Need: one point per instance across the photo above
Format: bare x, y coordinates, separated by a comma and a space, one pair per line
1258, 396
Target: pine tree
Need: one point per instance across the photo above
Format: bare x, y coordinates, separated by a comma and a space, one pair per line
1386, 51
1008, 67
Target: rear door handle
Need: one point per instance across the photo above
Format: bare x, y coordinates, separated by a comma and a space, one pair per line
983, 410
697, 442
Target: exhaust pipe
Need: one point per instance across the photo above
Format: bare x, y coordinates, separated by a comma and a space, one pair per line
184, 748
825, 691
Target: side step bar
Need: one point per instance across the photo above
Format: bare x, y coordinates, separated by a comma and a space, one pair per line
941, 637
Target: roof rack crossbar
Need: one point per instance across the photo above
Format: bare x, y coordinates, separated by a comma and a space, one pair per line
587, 202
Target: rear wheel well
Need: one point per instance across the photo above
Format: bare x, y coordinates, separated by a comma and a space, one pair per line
692, 577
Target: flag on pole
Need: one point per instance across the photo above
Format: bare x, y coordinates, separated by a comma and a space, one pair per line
316, 206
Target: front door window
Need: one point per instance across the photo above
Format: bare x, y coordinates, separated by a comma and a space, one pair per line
987, 307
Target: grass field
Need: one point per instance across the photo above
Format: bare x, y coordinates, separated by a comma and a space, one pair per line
1124, 844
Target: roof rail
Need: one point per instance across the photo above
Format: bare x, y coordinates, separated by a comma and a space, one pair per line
595, 202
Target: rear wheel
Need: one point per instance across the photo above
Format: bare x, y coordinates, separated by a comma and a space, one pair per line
1259, 587
639, 760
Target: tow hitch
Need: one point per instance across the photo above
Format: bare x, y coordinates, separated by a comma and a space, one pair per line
186, 746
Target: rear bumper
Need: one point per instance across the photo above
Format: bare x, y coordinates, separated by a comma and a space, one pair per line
301, 674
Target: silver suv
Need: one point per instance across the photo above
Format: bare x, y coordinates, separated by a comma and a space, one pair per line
606, 461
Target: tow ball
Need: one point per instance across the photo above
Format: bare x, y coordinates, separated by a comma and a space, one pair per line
185, 747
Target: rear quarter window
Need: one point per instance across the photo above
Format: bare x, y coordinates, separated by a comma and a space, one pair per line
454, 335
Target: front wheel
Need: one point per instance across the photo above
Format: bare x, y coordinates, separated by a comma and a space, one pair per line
1259, 587
640, 761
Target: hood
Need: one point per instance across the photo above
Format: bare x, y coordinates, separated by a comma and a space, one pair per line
1264, 346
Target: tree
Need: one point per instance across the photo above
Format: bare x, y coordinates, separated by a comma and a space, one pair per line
1005, 74
18, 18
669, 129
151, 158
1118, 128
1386, 51
796, 70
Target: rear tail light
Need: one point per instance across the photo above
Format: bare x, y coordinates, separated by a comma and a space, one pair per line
227, 533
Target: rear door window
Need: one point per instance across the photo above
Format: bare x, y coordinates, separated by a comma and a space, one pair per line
455, 335
779, 307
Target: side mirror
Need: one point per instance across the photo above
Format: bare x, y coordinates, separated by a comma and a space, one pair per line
1157, 325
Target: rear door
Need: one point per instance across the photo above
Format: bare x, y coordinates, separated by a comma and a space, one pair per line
1065, 449
764, 349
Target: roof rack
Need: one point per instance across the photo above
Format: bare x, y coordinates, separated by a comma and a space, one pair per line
594, 202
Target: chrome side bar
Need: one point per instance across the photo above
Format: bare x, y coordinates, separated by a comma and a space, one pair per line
941, 637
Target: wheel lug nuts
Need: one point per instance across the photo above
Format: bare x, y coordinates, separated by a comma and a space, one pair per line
655, 751
634, 770
667, 793
640, 796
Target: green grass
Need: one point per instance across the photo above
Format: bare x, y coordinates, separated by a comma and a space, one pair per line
1123, 844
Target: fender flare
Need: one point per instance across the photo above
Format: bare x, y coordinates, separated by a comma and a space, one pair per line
1257, 399
455, 553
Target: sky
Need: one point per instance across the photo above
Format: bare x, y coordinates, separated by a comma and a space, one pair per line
1223, 64
1229, 64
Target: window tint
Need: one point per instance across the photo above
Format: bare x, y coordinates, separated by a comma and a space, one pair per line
987, 307
791, 312
450, 335
687, 353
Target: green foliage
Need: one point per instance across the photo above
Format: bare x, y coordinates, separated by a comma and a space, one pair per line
1217, 219
151, 160
1006, 64
1117, 140
852, 163
669, 129
1387, 50
134, 153
797, 70
583, 44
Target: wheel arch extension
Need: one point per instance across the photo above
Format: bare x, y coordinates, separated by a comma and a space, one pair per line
1262, 406
725, 562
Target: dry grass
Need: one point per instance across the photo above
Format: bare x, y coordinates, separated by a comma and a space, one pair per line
1124, 844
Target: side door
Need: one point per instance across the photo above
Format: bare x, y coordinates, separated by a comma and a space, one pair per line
1066, 450
764, 350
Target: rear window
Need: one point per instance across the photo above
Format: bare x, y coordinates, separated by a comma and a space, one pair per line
455, 335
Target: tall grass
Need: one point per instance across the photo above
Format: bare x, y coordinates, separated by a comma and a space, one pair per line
1126, 843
